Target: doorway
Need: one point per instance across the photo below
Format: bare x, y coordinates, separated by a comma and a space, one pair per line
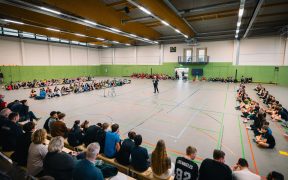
181, 73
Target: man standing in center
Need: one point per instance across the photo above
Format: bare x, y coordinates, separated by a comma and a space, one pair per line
155, 84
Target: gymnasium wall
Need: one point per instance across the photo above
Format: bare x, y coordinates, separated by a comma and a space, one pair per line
39, 60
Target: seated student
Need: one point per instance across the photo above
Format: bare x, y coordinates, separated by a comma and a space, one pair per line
75, 135
57, 92
265, 140
58, 164
112, 142
42, 94
23, 110
37, 152
63, 91
53, 117
23, 142
123, 156
274, 175
96, 133
161, 165
242, 172
185, 168
3, 104
59, 128
215, 168
10, 131
139, 155
86, 168
33, 93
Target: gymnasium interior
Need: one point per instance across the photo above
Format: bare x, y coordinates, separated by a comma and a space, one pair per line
196, 73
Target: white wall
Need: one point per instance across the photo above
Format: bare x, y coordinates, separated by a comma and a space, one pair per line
262, 51
24, 52
256, 51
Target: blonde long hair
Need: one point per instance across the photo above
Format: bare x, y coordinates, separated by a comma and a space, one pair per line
160, 162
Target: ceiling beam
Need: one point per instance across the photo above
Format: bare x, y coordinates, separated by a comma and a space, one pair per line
118, 3
162, 11
255, 13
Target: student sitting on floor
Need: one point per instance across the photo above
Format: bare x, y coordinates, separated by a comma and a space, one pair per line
242, 172
23, 109
265, 140
42, 94
112, 142
23, 142
57, 92
185, 168
139, 155
215, 168
123, 156
161, 164
33, 93
63, 91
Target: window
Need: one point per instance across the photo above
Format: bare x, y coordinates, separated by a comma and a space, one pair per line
28, 35
82, 44
10, 32
201, 54
41, 37
54, 39
64, 41
74, 42
188, 55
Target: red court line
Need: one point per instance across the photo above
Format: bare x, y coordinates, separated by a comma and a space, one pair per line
252, 152
172, 150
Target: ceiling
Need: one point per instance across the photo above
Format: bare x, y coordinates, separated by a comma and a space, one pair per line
123, 23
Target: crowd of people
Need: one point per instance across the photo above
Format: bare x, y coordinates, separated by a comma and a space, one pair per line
160, 76
76, 87
48, 159
44, 83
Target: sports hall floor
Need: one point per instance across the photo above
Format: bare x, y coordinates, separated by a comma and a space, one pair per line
200, 114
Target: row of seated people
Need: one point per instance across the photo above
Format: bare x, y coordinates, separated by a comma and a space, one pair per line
220, 79
77, 88
30, 150
274, 107
251, 111
44, 83
160, 76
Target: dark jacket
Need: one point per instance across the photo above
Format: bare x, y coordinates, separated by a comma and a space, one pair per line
22, 147
9, 133
59, 165
95, 134
123, 156
75, 136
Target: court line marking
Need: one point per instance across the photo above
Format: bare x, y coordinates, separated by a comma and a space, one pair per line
241, 138
220, 137
252, 152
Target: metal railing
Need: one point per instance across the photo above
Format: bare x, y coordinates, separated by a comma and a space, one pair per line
193, 59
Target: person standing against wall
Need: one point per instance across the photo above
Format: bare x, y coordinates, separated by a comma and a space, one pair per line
155, 84
1, 77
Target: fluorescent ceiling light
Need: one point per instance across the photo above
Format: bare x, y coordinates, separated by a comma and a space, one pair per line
82, 35
105, 46
165, 23
236, 36
185, 36
100, 39
50, 10
15, 22
156, 42
237, 31
75, 42
91, 44
133, 35
116, 30
90, 22
145, 10
238, 24
115, 42
128, 44
52, 29
177, 31
241, 11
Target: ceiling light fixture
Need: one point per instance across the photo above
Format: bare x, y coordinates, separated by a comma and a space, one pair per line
115, 42
90, 22
186, 36
241, 11
144, 10
177, 31
237, 31
81, 35
100, 39
116, 30
52, 29
165, 23
238, 24
50, 10
128, 44
15, 22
